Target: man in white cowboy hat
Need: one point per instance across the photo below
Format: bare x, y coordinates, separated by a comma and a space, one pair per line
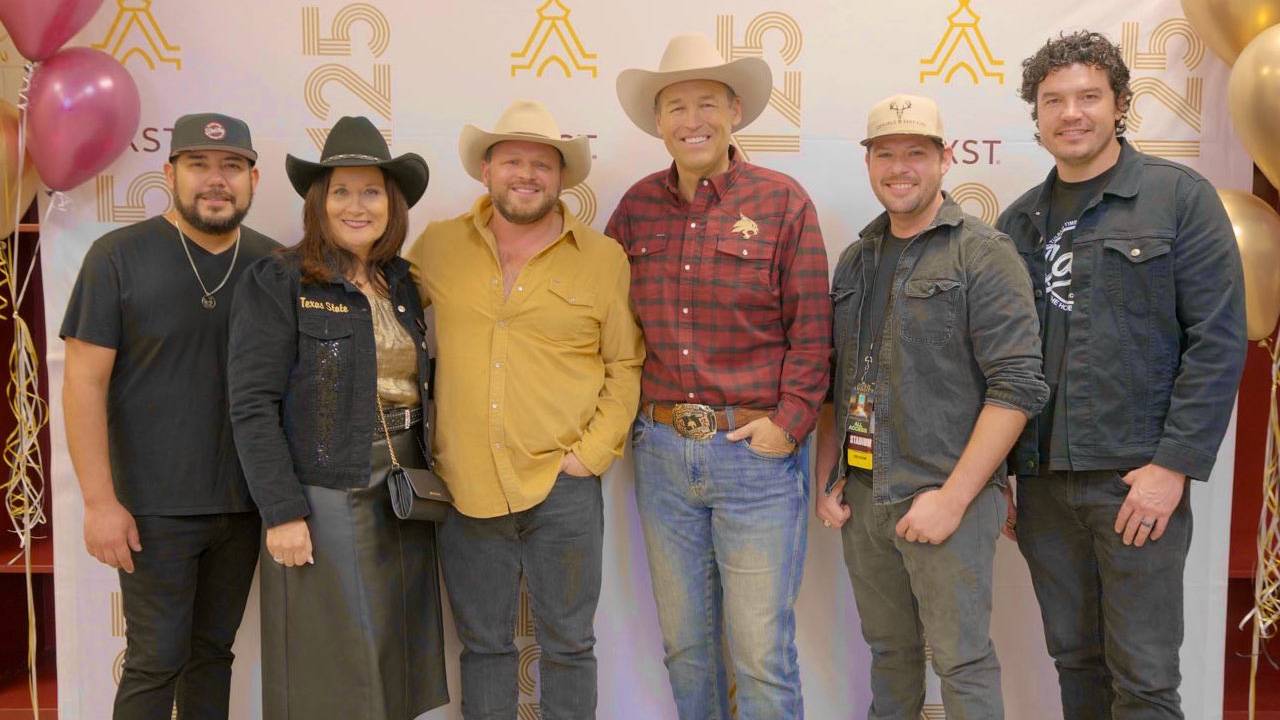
729, 278
937, 370
538, 377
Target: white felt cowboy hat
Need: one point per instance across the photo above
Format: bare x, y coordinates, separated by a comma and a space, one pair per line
694, 57
530, 121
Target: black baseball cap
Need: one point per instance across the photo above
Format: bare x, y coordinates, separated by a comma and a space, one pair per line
211, 131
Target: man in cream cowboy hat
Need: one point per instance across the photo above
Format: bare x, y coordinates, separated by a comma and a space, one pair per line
729, 278
538, 379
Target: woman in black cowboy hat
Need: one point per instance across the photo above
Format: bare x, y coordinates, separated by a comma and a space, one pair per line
327, 363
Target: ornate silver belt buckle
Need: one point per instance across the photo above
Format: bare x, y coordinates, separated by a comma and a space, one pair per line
697, 422
408, 418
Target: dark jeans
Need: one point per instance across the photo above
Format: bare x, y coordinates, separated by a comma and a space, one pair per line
1112, 613
557, 545
182, 607
908, 591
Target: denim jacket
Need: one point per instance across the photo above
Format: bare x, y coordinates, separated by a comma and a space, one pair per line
960, 333
302, 369
1157, 336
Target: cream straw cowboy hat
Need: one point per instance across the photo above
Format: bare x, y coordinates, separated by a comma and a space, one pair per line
530, 121
694, 57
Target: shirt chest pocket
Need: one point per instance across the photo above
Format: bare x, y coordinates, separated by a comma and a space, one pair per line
744, 265
845, 302
325, 367
929, 308
1137, 271
567, 314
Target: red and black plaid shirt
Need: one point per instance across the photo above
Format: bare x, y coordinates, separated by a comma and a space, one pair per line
732, 292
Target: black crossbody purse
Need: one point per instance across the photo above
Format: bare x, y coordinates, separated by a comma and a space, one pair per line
416, 493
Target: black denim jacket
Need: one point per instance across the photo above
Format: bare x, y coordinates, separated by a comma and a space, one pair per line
1157, 334
961, 332
302, 370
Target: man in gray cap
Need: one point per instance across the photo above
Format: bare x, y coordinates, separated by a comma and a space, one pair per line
144, 394
937, 370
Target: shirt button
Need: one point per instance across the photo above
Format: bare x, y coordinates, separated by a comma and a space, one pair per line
519, 288
744, 252
424, 344
693, 224
1039, 293
1135, 252
497, 364
684, 351
493, 281
705, 183
400, 308
644, 250
690, 396
684, 310
686, 267
1071, 296
493, 405
502, 323
498, 445
425, 386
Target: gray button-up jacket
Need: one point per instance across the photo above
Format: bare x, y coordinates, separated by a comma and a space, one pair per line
961, 332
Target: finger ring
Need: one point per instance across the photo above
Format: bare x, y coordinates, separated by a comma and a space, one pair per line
826, 523
1147, 524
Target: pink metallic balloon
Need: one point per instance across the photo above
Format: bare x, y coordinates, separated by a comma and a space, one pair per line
40, 27
83, 110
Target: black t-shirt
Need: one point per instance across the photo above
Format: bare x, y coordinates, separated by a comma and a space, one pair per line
1067, 202
167, 424
874, 311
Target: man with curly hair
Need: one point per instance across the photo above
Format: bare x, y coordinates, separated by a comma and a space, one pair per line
1144, 342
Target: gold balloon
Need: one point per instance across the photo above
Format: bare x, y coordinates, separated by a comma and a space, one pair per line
1227, 26
9, 189
1253, 95
1257, 228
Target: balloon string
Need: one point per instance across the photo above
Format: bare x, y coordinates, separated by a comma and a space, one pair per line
24, 489
24, 93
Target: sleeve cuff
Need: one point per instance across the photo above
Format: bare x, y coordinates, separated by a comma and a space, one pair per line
1195, 464
596, 460
796, 422
283, 512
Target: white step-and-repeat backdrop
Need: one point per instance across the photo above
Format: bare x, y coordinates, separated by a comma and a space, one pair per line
421, 70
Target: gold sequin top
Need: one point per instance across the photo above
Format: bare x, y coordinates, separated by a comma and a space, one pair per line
397, 357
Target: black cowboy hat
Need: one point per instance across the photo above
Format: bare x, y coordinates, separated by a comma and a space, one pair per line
355, 142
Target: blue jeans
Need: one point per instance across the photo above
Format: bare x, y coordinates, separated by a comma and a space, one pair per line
725, 530
906, 591
1112, 613
557, 545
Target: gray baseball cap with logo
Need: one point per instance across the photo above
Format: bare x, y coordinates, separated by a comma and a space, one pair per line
211, 131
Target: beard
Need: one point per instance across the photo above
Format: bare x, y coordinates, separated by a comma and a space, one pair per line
501, 202
212, 226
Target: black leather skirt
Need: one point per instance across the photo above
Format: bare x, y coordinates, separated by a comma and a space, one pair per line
357, 635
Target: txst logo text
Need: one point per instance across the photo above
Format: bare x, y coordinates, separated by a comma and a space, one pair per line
975, 152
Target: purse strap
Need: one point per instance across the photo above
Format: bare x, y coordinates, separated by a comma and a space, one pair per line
382, 420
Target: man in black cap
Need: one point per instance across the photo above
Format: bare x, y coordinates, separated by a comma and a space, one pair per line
144, 394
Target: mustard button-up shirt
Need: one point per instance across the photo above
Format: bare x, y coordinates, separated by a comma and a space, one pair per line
552, 367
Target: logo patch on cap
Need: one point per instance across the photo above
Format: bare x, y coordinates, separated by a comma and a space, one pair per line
214, 130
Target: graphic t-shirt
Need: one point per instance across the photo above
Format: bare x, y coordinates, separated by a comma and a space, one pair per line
1068, 201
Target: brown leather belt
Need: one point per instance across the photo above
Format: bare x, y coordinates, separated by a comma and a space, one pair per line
701, 422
